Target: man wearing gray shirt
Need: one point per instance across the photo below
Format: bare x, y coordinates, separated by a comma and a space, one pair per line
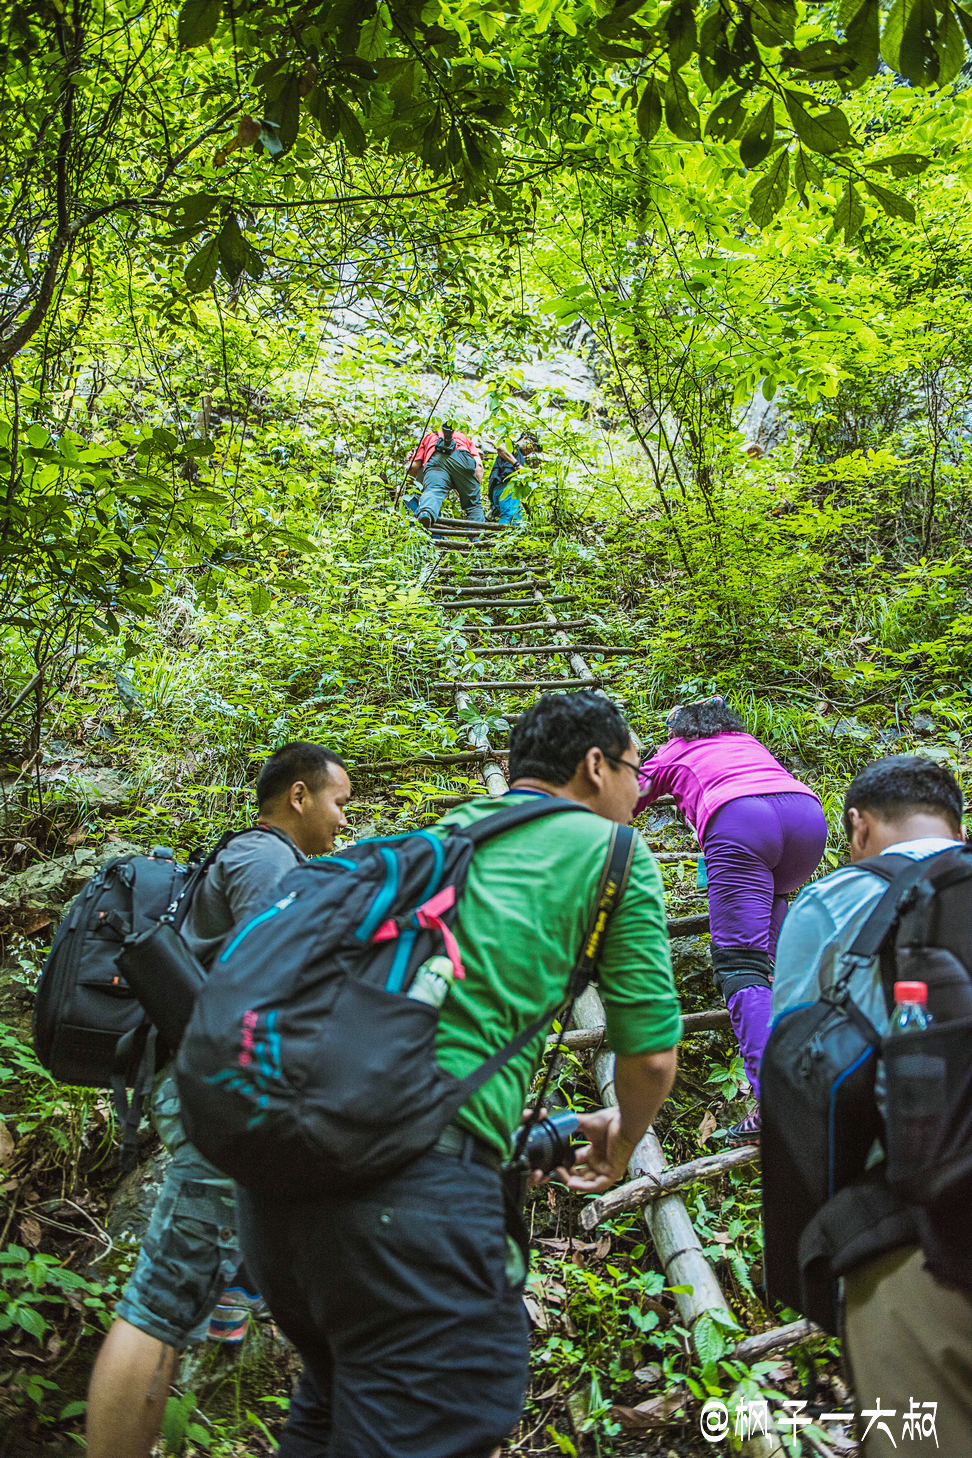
190, 1252
908, 1335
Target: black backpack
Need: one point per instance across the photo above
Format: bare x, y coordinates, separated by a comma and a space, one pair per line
89, 1027
824, 1211
305, 1064
83, 1004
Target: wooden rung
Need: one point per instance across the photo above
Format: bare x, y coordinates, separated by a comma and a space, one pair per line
463, 521
512, 602
573, 623
516, 683
489, 587
466, 756
552, 648
701, 1022
637, 1193
687, 926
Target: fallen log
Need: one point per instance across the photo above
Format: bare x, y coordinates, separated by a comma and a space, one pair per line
701, 1022
687, 926
637, 1193
794, 1334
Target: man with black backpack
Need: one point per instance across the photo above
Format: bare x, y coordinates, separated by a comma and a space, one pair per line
190, 1252
902, 909
403, 1292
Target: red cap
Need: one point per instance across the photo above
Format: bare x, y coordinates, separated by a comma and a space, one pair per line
910, 992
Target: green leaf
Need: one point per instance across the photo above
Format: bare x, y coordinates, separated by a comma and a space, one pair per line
320, 104
189, 211
650, 109
863, 35
773, 21
893, 203
849, 214
715, 58
727, 120
769, 194
200, 271
351, 128
965, 21
916, 43
901, 164
233, 249
284, 112
680, 28
198, 20
806, 173
826, 132
708, 1339
758, 138
681, 115
373, 42
260, 600
29, 1318
72, 1409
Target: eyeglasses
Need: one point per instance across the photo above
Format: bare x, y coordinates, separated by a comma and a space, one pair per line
616, 759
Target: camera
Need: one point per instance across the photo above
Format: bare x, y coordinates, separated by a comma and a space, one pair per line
445, 447
548, 1145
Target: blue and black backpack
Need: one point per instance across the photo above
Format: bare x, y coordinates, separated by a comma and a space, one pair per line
305, 1064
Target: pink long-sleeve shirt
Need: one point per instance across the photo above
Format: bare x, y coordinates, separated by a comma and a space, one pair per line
702, 775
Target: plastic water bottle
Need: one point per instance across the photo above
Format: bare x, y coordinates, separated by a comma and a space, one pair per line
432, 981
910, 1008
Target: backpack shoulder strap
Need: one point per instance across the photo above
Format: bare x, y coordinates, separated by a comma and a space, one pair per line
886, 867
514, 815
611, 887
182, 905
872, 935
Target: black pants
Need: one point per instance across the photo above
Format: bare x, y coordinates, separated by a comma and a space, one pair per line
397, 1298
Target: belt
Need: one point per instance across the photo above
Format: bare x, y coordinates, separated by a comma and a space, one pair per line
465, 1146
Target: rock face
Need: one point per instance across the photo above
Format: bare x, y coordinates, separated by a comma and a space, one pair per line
38, 897
89, 789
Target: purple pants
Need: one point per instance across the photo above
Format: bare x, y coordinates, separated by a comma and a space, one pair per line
757, 849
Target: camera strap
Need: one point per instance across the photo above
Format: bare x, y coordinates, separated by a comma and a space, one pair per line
610, 890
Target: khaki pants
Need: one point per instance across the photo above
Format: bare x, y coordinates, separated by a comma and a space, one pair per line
909, 1342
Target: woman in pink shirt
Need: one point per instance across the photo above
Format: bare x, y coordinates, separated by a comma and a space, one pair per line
763, 834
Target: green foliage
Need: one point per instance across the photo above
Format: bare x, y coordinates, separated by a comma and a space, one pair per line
30, 1281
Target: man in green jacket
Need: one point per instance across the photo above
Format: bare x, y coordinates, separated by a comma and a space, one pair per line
405, 1299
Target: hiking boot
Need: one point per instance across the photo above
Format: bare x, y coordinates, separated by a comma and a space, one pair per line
426, 520
229, 1320
747, 1131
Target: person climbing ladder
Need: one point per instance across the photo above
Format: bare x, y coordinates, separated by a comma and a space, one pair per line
763, 834
446, 460
502, 495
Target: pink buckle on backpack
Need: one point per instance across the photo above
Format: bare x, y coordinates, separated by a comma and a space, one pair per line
427, 915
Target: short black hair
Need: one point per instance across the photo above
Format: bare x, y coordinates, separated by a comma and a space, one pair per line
298, 761
552, 737
705, 720
901, 785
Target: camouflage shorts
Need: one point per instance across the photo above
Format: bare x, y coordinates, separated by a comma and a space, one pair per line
190, 1252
